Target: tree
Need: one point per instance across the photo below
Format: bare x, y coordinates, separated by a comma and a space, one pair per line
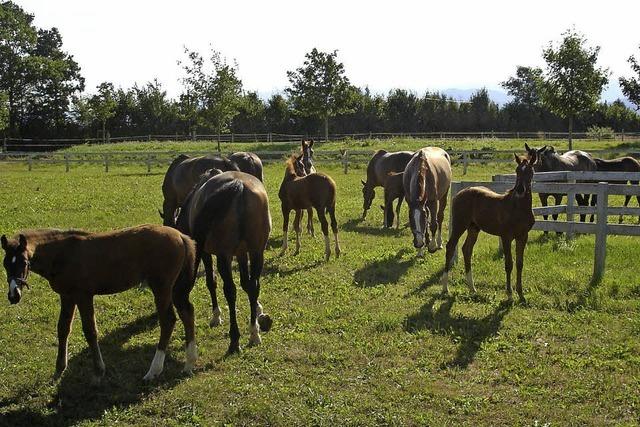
251, 114
103, 105
320, 88
525, 86
572, 83
631, 86
4, 111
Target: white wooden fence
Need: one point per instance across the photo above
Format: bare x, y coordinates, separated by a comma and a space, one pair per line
598, 183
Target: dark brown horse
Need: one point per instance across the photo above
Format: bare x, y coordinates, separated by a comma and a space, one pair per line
80, 265
621, 164
379, 167
393, 189
249, 163
506, 215
228, 216
426, 180
317, 191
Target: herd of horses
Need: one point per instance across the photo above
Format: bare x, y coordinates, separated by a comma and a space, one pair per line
218, 206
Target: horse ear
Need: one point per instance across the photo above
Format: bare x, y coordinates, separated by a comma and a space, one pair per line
541, 149
363, 183
382, 207
161, 214
311, 143
22, 240
4, 241
533, 158
526, 147
551, 149
518, 159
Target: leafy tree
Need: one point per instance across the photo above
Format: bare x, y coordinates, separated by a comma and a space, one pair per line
401, 111
251, 114
4, 111
572, 82
103, 105
631, 86
525, 86
278, 114
320, 88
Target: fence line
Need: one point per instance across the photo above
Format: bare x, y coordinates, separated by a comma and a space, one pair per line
603, 189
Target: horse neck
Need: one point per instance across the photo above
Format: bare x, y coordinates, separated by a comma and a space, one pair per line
45, 246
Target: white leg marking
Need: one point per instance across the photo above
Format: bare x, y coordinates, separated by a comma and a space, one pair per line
284, 243
259, 310
192, 356
421, 252
216, 319
335, 238
254, 338
432, 245
470, 284
327, 247
444, 281
157, 364
439, 239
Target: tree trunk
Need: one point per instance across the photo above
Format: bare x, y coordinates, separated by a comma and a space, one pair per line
570, 132
219, 131
104, 134
326, 128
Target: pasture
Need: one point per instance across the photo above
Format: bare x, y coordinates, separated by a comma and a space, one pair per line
365, 339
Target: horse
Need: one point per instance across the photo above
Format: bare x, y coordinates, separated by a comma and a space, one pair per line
316, 190
550, 161
506, 215
378, 169
79, 265
249, 163
306, 156
228, 215
621, 164
426, 182
393, 189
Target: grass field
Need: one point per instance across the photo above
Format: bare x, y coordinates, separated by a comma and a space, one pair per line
366, 339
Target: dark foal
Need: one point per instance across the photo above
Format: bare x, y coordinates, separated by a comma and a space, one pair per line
317, 191
393, 189
80, 265
506, 215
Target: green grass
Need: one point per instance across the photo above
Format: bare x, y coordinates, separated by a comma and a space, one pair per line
364, 339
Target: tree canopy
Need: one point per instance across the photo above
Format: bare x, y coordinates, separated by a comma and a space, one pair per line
631, 86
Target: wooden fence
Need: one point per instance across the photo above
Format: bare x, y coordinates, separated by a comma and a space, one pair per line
572, 183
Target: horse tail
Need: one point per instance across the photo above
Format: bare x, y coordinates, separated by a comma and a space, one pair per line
189, 264
215, 208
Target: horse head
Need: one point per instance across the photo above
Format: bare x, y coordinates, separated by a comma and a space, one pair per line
524, 174
368, 194
16, 265
307, 155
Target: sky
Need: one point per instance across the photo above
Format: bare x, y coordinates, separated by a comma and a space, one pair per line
416, 45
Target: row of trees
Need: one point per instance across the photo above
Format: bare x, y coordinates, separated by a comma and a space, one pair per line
41, 96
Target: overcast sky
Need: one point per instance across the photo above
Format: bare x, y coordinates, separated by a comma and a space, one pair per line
384, 44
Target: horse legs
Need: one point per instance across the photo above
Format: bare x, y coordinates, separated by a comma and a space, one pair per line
67, 309
249, 287
456, 232
594, 201
508, 263
467, 251
285, 228
325, 231
521, 243
432, 207
167, 320
85, 306
216, 318
441, 207
310, 222
224, 268
298, 230
180, 292
582, 201
334, 228
400, 200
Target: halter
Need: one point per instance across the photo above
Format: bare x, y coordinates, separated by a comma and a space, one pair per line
21, 281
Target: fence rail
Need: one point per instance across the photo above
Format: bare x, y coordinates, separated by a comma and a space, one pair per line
607, 185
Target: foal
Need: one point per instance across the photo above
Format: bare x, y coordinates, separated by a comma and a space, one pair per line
393, 189
506, 215
316, 190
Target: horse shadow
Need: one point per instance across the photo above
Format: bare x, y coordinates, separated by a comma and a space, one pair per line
356, 226
433, 279
384, 271
470, 332
75, 400
270, 267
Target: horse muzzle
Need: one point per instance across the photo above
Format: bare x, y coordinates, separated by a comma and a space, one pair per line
14, 296
418, 242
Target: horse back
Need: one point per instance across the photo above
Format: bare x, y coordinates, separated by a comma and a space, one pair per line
385, 163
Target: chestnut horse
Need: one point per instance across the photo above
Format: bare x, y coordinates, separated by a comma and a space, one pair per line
306, 157
380, 165
227, 216
426, 181
80, 265
316, 190
506, 215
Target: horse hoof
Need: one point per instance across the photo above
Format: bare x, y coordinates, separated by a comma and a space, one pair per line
255, 340
233, 349
265, 322
215, 321
187, 370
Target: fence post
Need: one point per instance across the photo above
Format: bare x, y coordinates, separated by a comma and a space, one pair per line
148, 163
148, 137
345, 161
571, 196
4, 144
465, 162
30, 162
455, 189
622, 136
106, 163
601, 231
66, 162
517, 135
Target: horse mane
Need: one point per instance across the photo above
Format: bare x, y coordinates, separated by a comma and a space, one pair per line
290, 164
426, 183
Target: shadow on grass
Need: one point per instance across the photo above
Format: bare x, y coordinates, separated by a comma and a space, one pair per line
355, 226
384, 271
76, 400
133, 174
270, 267
433, 279
469, 332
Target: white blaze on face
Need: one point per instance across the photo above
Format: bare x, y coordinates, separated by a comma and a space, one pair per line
13, 286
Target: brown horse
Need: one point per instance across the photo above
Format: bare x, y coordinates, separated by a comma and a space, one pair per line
249, 163
378, 169
426, 181
506, 215
227, 216
316, 190
306, 158
80, 265
393, 189
621, 164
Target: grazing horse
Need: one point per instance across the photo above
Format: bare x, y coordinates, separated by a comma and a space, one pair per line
378, 169
621, 164
316, 190
80, 265
227, 216
550, 161
249, 163
506, 215
426, 181
393, 189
